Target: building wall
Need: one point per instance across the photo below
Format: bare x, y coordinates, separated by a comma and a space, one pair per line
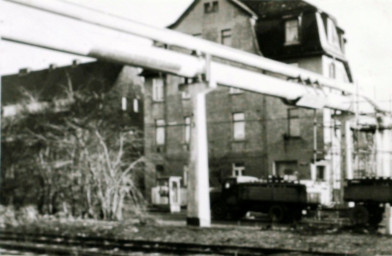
174, 108
210, 25
267, 146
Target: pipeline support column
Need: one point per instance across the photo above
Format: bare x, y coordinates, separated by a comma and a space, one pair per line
198, 212
383, 138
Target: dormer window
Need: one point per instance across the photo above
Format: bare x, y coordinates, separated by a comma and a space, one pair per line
292, 31
333, 37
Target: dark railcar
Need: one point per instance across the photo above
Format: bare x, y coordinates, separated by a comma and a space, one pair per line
282, 200
370, 197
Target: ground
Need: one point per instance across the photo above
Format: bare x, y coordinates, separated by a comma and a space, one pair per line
171, 228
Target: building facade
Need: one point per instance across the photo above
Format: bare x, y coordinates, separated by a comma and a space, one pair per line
54, 83
248, 133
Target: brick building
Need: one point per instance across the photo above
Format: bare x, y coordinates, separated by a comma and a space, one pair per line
248, 133
49, 85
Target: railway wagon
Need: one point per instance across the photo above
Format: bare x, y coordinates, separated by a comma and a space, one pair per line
283, 201
369, 196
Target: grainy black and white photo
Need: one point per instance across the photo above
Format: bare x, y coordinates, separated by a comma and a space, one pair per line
196, 127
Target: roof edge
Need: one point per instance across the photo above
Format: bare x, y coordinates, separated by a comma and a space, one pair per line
184, 13
193, 4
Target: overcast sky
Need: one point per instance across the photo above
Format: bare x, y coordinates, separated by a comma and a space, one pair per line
366, 22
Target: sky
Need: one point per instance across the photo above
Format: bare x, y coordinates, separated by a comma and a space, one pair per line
366, 23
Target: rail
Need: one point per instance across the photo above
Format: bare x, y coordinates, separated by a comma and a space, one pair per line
54, 243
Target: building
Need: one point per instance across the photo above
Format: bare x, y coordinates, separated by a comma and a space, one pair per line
248, 133
54, 83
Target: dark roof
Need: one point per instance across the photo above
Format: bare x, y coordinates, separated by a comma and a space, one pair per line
264, 8
268, 8
46, 85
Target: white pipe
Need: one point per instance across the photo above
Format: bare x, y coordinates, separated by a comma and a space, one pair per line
170, 37
185, 65
137, 55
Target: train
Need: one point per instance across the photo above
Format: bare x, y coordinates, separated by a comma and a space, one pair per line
288, 201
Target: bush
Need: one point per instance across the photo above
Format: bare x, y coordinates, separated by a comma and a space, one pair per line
10, 217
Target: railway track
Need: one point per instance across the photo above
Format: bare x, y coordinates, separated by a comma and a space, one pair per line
93, 246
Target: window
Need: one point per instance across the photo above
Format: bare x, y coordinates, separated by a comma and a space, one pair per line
207, 7
238, 169
160, 132
320, 173
286, 169
185, 175
239, 126
333, 38
124, 103
136, 105
185, 93
157, 89
226, 37
234, 90
187, 129
292, 31
332, 70
215, 6
159, 170
294, 128
184, 88
211, 7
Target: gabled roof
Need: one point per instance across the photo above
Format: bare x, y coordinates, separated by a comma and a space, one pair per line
237, 3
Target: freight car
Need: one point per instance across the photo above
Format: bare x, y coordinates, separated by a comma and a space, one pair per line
369, 196
283, 201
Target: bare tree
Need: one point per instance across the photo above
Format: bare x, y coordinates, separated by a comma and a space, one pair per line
82, 160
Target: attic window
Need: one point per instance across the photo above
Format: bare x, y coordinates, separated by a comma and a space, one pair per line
207, 7
215, 6
210, 7
292, 31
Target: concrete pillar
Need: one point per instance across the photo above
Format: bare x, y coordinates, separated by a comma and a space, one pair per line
348, 140
387, 221
383, 139
346, 153
198, 211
